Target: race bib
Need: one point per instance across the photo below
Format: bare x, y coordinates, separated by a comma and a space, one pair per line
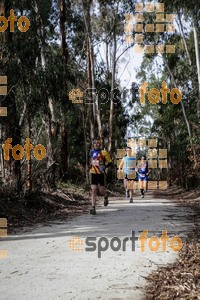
95, 162
142, 175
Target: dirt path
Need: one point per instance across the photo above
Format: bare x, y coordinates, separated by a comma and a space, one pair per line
41, 265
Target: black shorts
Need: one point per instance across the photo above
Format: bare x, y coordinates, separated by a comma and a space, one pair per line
97, 179
129, 179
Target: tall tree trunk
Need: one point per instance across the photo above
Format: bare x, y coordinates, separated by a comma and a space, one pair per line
88, 27
51, 126
107, 62
92, 109
169, 164
2, 170
184, 114
12, 128
110, 137
84, 122
89, 86
183, 36
95, 100
64, 136
29, 166
196, 42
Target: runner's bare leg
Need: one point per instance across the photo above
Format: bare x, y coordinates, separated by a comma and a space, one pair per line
102, 190
94, 194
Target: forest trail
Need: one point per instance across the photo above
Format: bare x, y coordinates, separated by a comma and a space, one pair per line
41, 265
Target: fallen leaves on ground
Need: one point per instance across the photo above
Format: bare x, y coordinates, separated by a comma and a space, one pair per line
42, 208
180, 280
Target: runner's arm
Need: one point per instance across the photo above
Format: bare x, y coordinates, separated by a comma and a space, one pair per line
147, 169
137, 168
121, 164
108, 161
89, 166
108, 165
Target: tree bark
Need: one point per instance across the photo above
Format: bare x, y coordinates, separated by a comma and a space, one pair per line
110, 142
52, 127
12, 128
29, 166
95, 100
64, 136
184, 114
89, 86
107, 62
196, 42
183, 36
91, 105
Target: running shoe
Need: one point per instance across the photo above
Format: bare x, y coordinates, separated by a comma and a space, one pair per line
93, 211
131, 200
127, 194
142, 196
105, 200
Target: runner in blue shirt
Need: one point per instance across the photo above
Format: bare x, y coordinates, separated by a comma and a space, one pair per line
143, 172
127, 164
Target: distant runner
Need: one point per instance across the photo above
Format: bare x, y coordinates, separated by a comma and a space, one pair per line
127, 164
100, 160
143, 172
